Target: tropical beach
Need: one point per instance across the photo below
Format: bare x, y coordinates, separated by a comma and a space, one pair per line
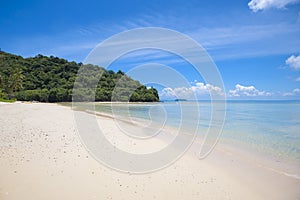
42, 157
151, 100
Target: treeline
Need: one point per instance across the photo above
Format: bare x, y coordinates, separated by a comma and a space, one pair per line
51, 79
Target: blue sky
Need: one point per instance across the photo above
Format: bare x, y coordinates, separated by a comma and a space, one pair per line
255, 44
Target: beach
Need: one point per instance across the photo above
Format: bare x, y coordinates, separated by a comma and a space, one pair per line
42, 157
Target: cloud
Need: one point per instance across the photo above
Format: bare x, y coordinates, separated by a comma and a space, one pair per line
247, 91
256, 5
297, 79
293, 62
199, 90
203, 91
295, 92
241, 91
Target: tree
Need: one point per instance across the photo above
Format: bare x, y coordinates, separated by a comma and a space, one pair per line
15, 79
1, 83
54, 79
2, 94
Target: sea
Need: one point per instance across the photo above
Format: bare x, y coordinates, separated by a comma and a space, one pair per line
268, 127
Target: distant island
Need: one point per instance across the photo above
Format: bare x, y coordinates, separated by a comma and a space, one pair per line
180, 100
51, 79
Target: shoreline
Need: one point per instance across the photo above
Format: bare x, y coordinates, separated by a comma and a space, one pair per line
41, 142
286, 166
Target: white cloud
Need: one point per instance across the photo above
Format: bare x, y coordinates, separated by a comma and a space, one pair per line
194, 92
257, 5
203, 91
247, 91
297, 79
287, 94
293, 62
295, 92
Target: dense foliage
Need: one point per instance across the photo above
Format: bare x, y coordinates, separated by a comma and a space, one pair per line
51, 79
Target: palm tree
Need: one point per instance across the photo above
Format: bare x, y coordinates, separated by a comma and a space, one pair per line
1, 83
16, 79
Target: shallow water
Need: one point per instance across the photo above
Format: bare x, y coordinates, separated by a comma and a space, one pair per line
269, 127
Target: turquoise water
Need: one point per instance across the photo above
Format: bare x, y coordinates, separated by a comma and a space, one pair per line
271, 127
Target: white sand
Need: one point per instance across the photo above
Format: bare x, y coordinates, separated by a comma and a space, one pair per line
41, 157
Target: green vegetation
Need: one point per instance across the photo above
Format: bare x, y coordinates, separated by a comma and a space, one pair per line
51, 79
7, 100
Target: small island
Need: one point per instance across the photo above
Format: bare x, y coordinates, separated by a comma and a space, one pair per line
180, 100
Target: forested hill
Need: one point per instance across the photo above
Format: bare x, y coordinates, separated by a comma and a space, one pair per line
51, 79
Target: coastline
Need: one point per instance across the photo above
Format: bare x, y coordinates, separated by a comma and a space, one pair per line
261, 158
42, 158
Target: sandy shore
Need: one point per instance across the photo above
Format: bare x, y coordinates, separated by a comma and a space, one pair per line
41, 157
